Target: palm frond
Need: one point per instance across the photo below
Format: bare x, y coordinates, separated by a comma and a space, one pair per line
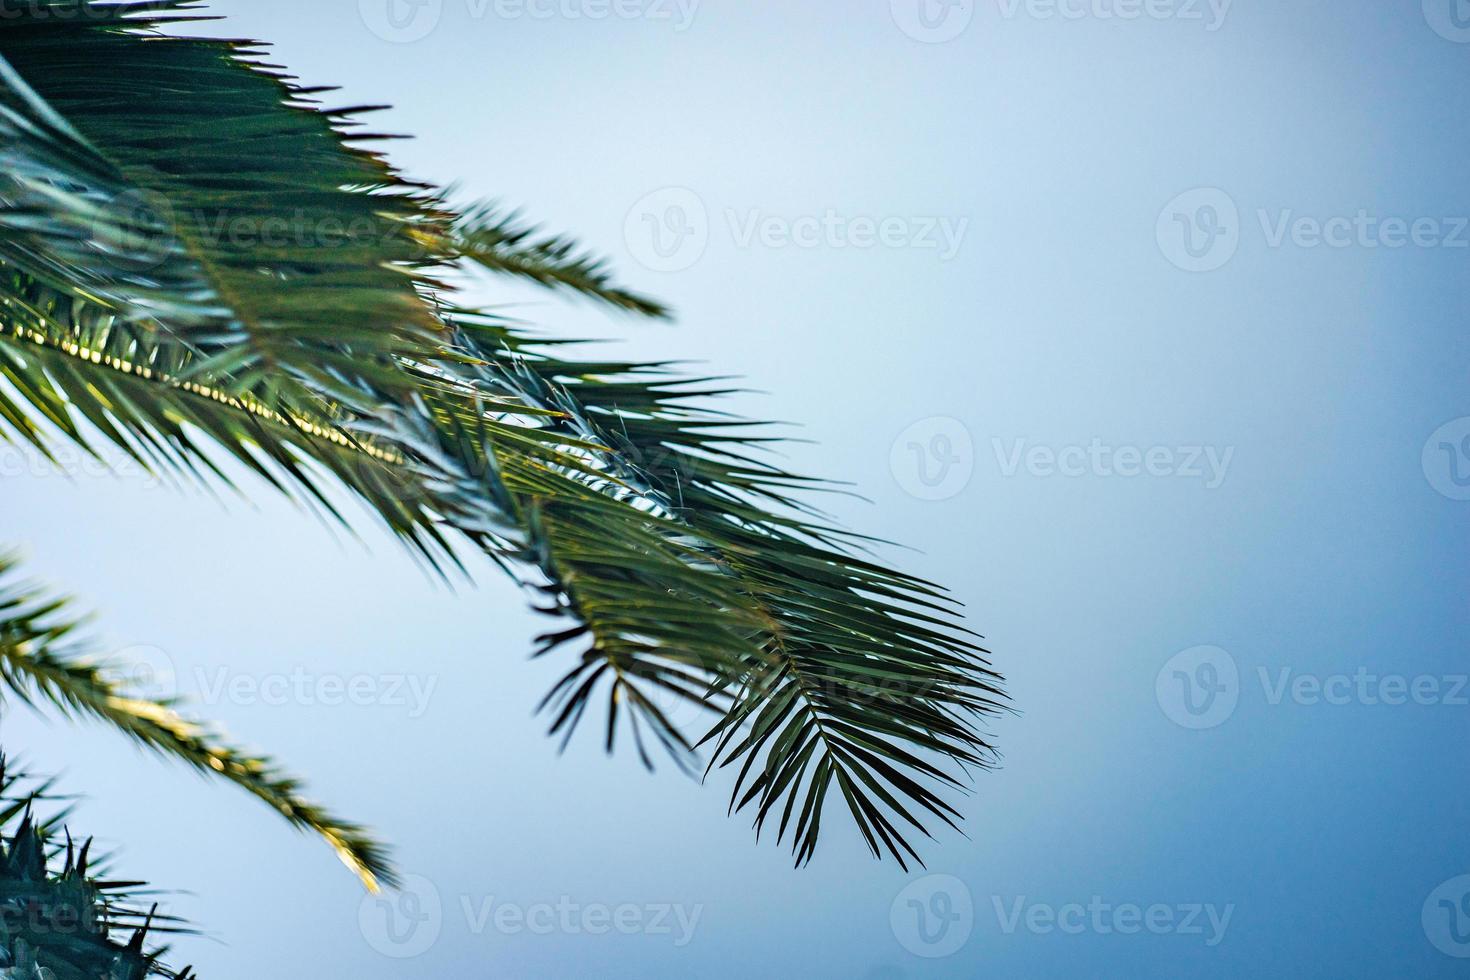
41, 660
498, 240
682, 562
64, 923
860, 677
73, 372
268, 236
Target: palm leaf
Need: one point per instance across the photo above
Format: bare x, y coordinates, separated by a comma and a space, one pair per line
500, 241
64, 922
861, 675
683, 563
42, 661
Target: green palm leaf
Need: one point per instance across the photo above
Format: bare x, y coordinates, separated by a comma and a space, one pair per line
498, 240
41, 660
64, 923
861, 674
682, 563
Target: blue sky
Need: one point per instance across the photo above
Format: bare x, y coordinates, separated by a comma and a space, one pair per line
1144, 325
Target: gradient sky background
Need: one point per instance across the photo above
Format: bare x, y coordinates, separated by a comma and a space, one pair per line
1063, 318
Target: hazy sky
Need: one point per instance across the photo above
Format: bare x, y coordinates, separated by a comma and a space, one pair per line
1143, 323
